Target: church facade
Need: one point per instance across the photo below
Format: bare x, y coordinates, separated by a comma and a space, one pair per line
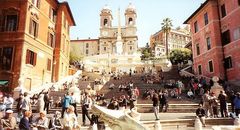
109, 35
116, 48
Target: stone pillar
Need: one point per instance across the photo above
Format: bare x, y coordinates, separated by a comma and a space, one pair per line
135, 115
157, 125
237, 122
198, 124
216, 88
19, 89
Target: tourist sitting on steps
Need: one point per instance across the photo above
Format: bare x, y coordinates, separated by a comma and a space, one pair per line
190, 94
8, 122
200, 112
42, 122
55, 122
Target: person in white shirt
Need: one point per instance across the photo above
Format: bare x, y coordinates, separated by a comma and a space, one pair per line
74, 103
26, 105
70, 120
86, 105
8, 102
190, 94
42, 121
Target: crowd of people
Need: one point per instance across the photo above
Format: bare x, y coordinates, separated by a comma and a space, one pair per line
211, 105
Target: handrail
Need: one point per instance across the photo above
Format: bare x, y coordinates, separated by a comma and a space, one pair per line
193, 75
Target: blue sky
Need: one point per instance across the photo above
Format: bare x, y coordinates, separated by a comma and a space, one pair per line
150, 14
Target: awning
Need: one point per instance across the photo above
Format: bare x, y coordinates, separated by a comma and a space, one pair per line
3, 82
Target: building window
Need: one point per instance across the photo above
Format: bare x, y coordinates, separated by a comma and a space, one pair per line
62, 69
199, 69
63, 43
11, 23
228, 62
49, 64
52, 14
64, 20
226, 37
31, 58
104, 48
210, 65
208, 40
51, 40
105, 22
36, 3
87, 45
6, 54
223, 10
236, 33
239, 2
130, 21
206, 18
196, 27
131, 48
198, 49
33, 28
86, 52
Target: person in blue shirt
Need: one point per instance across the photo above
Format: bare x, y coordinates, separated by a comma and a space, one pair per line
237, 104
24, 123
66, 103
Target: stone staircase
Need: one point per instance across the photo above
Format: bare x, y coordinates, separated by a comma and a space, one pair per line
188, 124
172, 74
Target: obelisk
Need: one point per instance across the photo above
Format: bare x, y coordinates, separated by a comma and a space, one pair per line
119, 44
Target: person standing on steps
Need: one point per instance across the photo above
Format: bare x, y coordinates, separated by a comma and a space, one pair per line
66, 103
237, 104
200, 112
86, 105
155, 105
74, 103
46, 102
223, 104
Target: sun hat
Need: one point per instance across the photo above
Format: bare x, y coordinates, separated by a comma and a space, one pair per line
9, 111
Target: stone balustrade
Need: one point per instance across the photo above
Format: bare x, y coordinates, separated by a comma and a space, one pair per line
119, 119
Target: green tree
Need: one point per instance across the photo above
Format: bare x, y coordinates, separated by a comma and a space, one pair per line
180, 55
75, 58
146, 53
166, 28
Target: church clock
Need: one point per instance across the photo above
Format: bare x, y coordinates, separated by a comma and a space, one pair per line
104, 33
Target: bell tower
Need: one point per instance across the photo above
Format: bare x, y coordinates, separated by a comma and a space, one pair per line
106, 17
130, 15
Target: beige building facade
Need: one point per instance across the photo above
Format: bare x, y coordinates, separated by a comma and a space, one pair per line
30, 46
177, 38
86, 47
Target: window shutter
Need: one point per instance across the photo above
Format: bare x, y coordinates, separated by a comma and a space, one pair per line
37, 24
49, 65
53, 44
27, 57
50, 12
38, 3
30, 27
55, 16
48, 39
1, 22
35, 59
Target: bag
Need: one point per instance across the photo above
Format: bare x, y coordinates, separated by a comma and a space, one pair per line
50, 124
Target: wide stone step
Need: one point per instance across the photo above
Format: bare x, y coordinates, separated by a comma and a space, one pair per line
172, 108
188, 123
